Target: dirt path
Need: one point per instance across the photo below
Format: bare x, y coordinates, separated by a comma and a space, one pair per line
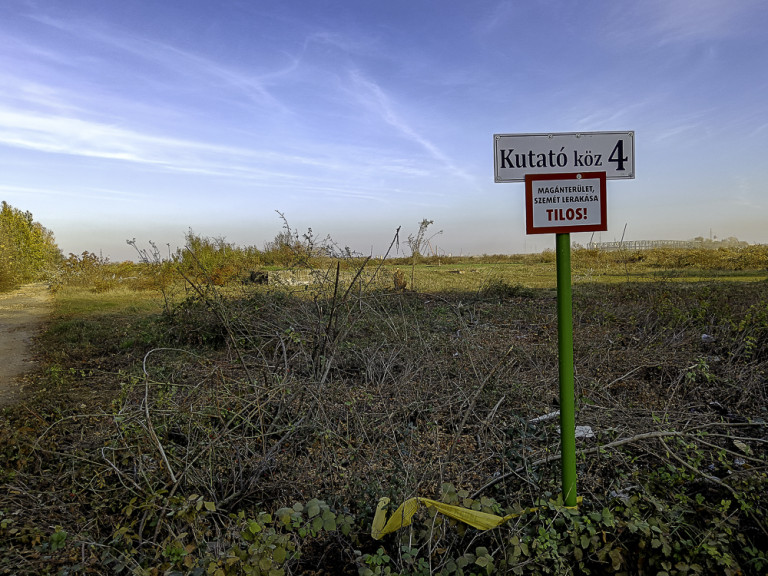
22, 314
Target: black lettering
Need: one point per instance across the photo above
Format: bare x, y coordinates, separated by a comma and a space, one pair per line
617, 155
505, 161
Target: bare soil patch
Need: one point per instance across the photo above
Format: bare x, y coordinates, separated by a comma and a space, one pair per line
22, 314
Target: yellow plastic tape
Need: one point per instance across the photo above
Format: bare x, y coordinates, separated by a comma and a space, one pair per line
404, 514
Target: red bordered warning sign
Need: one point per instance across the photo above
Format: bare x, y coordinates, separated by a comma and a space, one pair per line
563, 203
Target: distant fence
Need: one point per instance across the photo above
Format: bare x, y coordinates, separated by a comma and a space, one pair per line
632, 245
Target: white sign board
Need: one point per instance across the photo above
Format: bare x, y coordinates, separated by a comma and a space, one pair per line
564, 203
515, 155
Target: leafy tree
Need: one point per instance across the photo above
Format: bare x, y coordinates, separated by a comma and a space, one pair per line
28, 250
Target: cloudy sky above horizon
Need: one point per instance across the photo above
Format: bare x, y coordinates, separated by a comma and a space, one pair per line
144, 120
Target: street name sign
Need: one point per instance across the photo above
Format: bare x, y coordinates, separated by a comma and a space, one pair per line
515, 155
564, 177
564, 203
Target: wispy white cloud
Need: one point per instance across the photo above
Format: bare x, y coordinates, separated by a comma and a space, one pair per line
57, 134
370, 96
172, 62
759, 129
700, 19
657, 23
56, 118
33, 95
670, 132
343, 43
744, 194
89, 193
611, 116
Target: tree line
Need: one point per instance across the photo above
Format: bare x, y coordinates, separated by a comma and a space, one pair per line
27, 249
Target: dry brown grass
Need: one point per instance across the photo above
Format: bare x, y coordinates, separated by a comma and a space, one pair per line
255, 397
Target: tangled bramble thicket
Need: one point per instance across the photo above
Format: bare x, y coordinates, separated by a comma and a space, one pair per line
252, 430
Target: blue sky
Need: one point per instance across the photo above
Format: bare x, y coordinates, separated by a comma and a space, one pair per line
144, 119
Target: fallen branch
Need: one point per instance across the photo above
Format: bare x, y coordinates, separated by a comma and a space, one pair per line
587, 451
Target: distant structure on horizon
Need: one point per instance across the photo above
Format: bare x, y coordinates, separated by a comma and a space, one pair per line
699, 242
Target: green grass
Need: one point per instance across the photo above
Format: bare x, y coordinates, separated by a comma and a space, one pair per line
471, 276
82, 301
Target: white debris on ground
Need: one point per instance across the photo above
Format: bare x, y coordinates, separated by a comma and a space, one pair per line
581, 431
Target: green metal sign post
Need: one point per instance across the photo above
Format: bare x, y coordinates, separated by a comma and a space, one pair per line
561, 198
565, 365
561, 204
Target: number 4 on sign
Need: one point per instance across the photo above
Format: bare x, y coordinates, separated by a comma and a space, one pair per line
618, 155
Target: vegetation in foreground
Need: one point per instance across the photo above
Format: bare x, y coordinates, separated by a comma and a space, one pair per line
216, 426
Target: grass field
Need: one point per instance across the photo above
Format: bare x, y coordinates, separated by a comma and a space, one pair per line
216, 426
